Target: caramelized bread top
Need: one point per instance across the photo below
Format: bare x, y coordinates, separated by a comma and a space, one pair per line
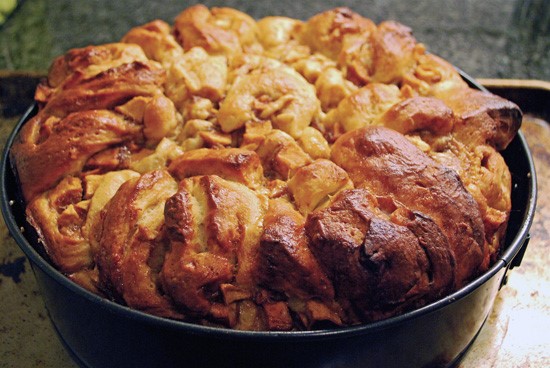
271, 174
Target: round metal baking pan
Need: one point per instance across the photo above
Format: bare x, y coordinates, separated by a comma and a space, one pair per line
101, 333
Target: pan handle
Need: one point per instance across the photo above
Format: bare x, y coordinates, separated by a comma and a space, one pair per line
516, 261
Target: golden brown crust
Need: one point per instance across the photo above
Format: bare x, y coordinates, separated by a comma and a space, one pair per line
483, 117
59, 149
58, 216
279, 95
290, 272
418, 114
130, 243
281, 156
377, 267
465, 146
88, 61
217, 30
122, 74
214, 227
360, 109
393, 52
156, 41
332, 31
386, 163
287, 264
313, 185
271, 175
234, 164
276, 31
366, 52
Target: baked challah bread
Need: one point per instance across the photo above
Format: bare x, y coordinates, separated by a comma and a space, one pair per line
266, 175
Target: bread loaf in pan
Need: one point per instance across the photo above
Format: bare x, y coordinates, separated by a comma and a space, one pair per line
270, 174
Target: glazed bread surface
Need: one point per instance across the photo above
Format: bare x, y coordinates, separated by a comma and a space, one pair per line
271, 174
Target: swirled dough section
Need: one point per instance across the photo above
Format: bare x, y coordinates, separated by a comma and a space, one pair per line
214, 227
130, 246
279, 95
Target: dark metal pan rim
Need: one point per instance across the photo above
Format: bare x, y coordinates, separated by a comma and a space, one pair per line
515, 245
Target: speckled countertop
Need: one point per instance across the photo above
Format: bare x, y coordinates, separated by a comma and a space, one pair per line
489, 39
